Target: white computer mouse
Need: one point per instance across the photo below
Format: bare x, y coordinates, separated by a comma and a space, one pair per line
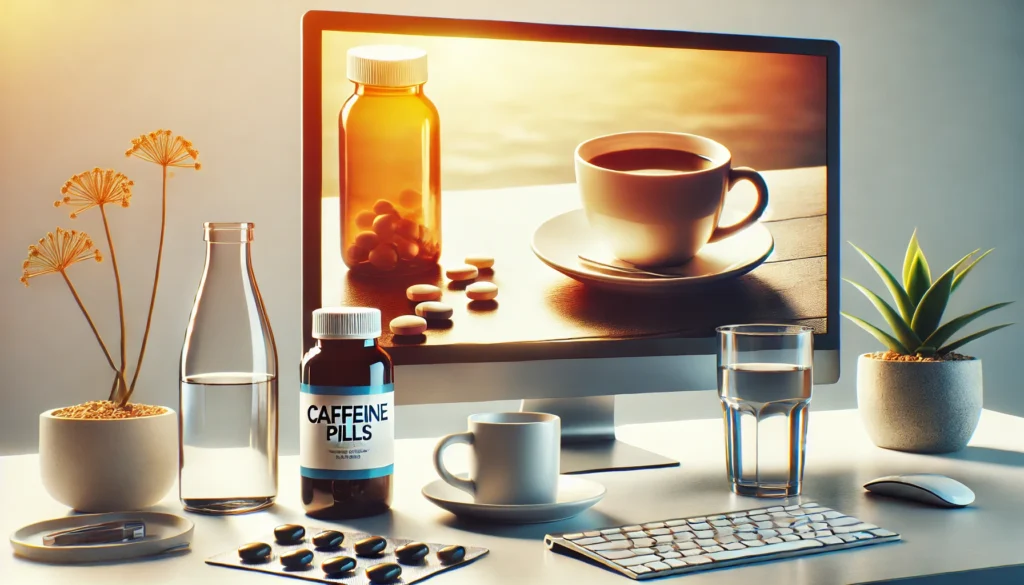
927, 488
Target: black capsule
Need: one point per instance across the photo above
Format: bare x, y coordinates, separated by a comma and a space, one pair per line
371, 546
297, 559
451, 554
328, 539
254, 552
411, 553
289, 534
338, 565
384, 573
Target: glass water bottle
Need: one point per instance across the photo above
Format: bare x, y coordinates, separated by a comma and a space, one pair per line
228, 400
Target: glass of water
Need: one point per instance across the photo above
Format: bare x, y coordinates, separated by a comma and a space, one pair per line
764, 381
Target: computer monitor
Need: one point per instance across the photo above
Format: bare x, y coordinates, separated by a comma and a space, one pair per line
515, 100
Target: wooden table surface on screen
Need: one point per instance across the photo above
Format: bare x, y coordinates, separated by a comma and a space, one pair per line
537, 303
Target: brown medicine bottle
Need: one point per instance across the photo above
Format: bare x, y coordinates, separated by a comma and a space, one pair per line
347, 412
390, 164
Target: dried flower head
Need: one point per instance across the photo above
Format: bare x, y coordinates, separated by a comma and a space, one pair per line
164, 149
95, 188
56, 252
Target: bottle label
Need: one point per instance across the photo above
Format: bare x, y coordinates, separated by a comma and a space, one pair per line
347, 432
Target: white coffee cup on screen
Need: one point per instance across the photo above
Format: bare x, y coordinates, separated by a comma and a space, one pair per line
514, 460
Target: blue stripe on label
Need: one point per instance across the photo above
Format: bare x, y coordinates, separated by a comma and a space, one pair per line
313, 473
347, 390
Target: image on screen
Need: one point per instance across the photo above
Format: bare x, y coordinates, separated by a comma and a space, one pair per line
512, 114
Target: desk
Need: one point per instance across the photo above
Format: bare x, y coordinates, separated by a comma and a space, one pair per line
840, 458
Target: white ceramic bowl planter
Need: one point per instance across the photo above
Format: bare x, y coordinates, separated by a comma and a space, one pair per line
918, 406
107, 465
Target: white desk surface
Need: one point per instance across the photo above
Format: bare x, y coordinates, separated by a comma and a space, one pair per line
840, 458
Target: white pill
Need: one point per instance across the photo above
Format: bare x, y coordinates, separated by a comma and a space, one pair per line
480, 261
434, 311
462, 272
423, 292
408, 325
482, 291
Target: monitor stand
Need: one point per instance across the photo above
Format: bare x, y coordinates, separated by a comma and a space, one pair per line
588, 436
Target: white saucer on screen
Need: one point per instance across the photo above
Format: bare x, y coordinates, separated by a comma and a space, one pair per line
575, 495
561, 240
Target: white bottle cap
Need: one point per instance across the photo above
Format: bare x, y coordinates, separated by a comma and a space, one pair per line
346, 323
387, 65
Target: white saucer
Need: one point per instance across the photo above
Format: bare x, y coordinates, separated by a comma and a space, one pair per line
164, 533
575, 495
559, 242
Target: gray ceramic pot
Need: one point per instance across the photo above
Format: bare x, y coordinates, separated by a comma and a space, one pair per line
921, 407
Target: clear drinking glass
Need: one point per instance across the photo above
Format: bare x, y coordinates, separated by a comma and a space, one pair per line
228, 399
764, 381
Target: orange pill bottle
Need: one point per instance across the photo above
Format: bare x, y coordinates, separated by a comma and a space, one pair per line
390, 164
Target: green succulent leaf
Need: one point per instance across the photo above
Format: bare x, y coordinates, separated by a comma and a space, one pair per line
904, 332
960, 277
942, 334
886, 339
965, 340
908, 260
920, 278
899, 295
926, 351
929, 311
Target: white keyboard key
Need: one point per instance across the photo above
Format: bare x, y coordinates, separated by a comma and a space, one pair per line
701, 560
631, 528
615, 555
611, 531
778, 515
706, 542
847, 537
791, 508
830, 540
753, 543
642, 551
882, 532
654, 525
735, 546
736, 514
657, 566
749, 536
724, 531
592, 533
675, 563
681, 528
785, 531
692, 553
746, 528
803, 528
789, 537
700, 526
763, 525
686, 546
715, 548
766, 534
591, 540
726, 539
663, 538
671, 523
636, 534
640, 569
613, 545
741, 520
756, 512
816, 517
641, 560
841, 521
854, 528
716, 517
664, 548
618, 536
833, 514
642, 542
774, 509
697, 519
818, 526
685, 536
822, 533
728, 555
862, 535
705, 533
788, 521
658, 531
760, 517
670, 555
810, 505
773, 540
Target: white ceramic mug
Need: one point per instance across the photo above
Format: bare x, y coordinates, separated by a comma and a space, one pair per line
515, 458
661, 219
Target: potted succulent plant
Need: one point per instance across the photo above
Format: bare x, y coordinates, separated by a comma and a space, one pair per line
111, 454
920, 395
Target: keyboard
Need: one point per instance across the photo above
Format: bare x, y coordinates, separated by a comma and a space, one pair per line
687, 545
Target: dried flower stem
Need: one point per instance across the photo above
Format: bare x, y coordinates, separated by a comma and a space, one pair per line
156, 280
92, 325
120, 308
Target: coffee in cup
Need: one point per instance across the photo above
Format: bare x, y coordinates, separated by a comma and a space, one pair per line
514, 460
656, 197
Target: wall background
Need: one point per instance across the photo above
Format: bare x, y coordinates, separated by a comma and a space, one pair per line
932, 138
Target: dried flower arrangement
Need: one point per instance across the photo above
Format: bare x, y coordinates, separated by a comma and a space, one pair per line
59, 250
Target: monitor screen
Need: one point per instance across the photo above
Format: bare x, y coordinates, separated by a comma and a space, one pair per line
594, 166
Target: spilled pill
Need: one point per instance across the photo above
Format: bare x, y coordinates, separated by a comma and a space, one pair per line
254, 552
408, 325
462, 272
480, 261
451, 554
423, 292
434, 311
482, 291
